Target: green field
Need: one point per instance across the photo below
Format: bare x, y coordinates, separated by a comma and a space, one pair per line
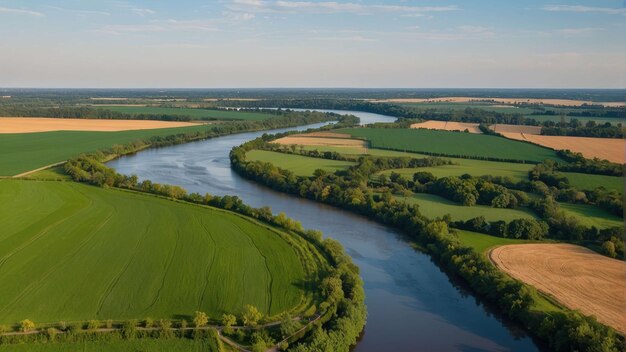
298, 164
590, 215
450, 143
590, 182
92, 253
21, 152
137, 345
515, 171
196, 114
433, 206
462, 106
481, 242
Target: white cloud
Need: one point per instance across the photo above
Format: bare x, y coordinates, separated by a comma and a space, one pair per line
80, 12
20, 12
311, 7
141, 11
162, 26
581, 8
577, 31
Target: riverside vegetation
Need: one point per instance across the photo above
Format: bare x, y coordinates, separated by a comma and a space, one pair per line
355, 189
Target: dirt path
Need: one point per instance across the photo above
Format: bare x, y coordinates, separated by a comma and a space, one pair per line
575, 276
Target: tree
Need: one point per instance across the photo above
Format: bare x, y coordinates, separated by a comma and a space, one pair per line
251, 315
288, 326
26, 325
93, 325
228, 320
608, 248
129, 329
200, 319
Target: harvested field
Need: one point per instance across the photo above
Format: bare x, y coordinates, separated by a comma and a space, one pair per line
448, 126
504, 128
323, 141
561, 102
324, 134
577, 277
40, 124
611, 149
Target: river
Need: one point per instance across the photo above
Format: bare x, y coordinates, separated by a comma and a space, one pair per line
412, 304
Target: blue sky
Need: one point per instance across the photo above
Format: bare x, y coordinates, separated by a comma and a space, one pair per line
259, 43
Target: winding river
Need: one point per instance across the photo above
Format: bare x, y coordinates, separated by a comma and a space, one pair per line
412, 304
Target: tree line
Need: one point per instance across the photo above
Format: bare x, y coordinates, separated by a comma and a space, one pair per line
563, 331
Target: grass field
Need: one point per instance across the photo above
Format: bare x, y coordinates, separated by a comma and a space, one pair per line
433, 206
515, 171
137, 345
462, 106
557, 118
590, 215
92, 253
299, 165
591, 182
196, 114
21, 152
481, 242
451, 143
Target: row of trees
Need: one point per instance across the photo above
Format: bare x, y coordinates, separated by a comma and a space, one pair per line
349, 190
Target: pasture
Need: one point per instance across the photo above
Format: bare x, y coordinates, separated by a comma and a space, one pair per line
590, 215
451, 143
481, 242
21, 152
515, 171
594, 283
591, 182
93, 253
433, 206
298, 164
195, 114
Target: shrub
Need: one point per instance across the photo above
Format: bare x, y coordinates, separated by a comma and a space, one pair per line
26, 325
200, 319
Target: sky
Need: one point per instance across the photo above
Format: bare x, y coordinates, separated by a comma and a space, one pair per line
272, 43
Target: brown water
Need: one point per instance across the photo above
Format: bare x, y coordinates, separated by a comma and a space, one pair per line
412, 304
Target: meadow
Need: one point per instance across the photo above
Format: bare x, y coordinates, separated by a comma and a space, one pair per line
433, 206
195, 114
139, 345
505, 109
590, 215
481, 242
451, 143
590, 182
152, 257
21, 152
515, 171
299, 165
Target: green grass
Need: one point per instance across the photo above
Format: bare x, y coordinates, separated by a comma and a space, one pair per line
136, 345
451, 143
590, 215
462, 106
482, 243
196, 114
56, 173
74, 252
298, 164
433, 206
21, 152
515, 171
590, 182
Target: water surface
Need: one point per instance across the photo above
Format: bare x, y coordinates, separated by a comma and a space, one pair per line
412, 304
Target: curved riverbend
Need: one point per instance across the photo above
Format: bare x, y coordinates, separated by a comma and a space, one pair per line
412, 304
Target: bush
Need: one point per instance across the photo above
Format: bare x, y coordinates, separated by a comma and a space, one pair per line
200, 319
26, 325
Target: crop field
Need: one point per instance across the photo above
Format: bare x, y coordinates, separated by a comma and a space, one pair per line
299, 165
515, 171
92, 253
507, 109
21, 152
591, 182
196, 114
612, 149
590, 215
433, 206
448, 126
577, 277
451, 143
161, 345
41, 124
583, 119
303, 140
